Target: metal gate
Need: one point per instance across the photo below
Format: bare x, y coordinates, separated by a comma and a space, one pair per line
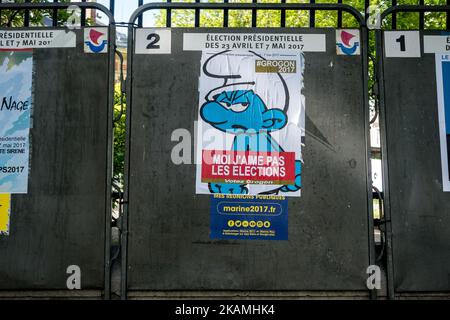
166, 225
417, 209
65, 218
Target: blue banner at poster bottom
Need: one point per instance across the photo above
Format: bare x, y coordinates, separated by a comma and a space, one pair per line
249, 217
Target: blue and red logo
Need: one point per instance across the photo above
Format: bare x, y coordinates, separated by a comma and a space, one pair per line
95, 40
347, 42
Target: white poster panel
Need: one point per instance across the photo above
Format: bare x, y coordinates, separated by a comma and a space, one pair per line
443, 93
251, 123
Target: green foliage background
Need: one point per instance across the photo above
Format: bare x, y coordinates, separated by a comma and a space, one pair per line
15, 18
119, 136
268, 18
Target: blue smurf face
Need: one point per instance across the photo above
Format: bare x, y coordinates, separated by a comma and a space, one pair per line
241, 111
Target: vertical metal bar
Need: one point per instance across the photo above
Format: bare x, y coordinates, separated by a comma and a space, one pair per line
312, 16
26, 19
112, 6
140, 18
283, 16
366, 114
169, 16
394, 16
83, 15
197, 16
370, 219
339, 16
124, 226
254, 15
447, 17
225, 15
421, 16
385, 167
55, 15
109, 173
366, 9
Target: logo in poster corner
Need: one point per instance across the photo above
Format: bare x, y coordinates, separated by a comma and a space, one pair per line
347, 42
96, 40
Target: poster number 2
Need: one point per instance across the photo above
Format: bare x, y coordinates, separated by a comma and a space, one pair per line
154, 39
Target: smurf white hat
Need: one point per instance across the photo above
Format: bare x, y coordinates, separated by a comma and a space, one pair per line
240, 74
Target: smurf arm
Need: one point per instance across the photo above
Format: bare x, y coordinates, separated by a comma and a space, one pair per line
298, 179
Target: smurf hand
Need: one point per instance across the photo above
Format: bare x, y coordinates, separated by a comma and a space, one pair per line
298, 179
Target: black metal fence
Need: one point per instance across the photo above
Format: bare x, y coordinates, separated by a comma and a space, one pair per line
130, 209
391, 18
35, 257
393, 77
423, 7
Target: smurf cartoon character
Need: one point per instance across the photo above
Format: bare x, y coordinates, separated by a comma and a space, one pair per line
239, 107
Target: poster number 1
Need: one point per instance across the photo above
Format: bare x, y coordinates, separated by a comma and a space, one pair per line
402, 44
401, 41
154, 39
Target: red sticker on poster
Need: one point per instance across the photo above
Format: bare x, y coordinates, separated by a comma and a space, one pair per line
248, 167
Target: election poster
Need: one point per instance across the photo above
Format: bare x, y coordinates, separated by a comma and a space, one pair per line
16, 69
249, 217
443, 94
251, 123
